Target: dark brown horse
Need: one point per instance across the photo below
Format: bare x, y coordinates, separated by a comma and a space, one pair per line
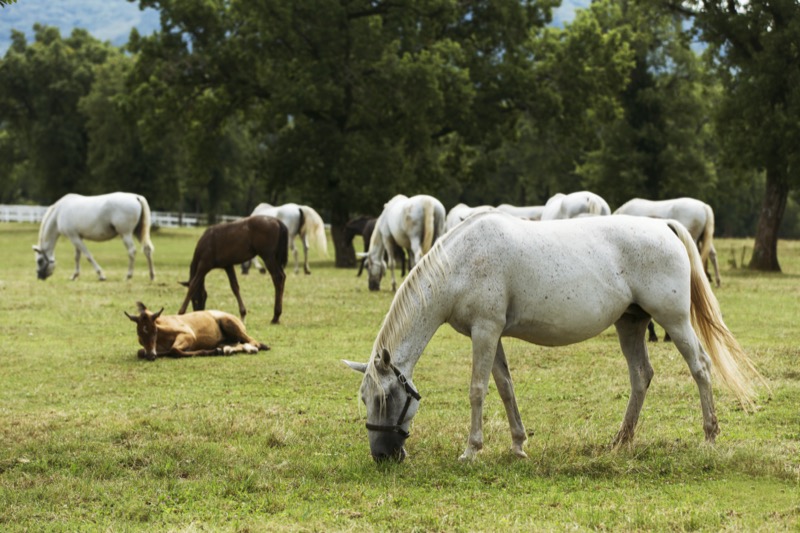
364, 226
233, 243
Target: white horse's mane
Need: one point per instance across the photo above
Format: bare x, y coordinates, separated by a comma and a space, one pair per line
410, 297
45, 222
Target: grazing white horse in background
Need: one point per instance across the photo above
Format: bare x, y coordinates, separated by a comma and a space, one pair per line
549, 283
461, 211
530, 212
575, 204
409, 223
301, 220
697, 216
96, 218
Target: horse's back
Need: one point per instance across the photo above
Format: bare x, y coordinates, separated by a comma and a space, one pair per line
690, 212
100, 217
561, 281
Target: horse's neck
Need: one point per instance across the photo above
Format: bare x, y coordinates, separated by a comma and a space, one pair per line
48, 233
376, 247
413, 319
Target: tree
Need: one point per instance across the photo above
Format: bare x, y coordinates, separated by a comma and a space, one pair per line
758, 61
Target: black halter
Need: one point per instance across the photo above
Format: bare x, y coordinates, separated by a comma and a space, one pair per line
412, 393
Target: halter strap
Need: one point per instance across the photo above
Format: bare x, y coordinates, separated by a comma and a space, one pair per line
411, 393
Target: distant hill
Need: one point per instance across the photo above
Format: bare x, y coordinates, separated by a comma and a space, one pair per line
107, 20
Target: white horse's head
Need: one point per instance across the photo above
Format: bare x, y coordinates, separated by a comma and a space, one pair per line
44, 265
375, 272
391, 401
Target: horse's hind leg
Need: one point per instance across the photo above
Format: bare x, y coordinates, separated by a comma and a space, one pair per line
234, 331
293, 248
148, 253
712, 256
505, 387
686, 341
304, 240
131, 248
231, 272
278, 281
630, 330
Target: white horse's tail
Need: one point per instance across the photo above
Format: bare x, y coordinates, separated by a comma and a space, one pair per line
143, 229
732, 364
708, 234
595, 207
429, 214
315, 229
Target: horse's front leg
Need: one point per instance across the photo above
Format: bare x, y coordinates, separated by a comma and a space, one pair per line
304, 240
80, 247
131, 248
296, 258
231, 272
505, 387
484, 346
278, 282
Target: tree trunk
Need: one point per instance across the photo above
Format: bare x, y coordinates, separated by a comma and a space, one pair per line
345, 254
765, 249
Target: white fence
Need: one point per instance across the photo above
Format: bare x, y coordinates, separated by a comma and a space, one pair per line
34, 213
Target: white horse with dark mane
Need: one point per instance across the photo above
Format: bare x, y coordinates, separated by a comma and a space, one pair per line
460, 212
549, 283
697, 216
561, 206
528, 212
409, 223
96, 218
301, 220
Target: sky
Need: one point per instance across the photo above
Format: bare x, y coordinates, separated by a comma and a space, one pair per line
112, 20
107, 20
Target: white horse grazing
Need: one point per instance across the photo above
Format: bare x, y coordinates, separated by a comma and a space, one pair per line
460, 212
410, 223
572, 205
530, 212
549, 283
300, 220
697, 216
96, 218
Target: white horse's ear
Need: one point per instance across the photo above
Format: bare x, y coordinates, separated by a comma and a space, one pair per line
37, 249
362, 255
358, 367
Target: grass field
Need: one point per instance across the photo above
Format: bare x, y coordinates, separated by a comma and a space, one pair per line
92, 438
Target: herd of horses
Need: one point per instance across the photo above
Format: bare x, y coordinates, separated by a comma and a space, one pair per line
551, 275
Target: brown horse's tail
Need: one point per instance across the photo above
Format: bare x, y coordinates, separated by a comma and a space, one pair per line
429, 214
708, 234
732, 364
282, 253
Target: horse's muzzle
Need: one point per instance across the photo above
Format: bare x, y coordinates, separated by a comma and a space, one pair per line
374, 286
397, 456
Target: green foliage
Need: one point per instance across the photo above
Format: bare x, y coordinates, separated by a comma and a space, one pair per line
92, 438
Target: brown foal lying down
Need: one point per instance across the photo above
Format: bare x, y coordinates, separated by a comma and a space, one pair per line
197, 333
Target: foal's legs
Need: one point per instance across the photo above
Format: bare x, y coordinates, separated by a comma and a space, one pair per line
231, 272
80, 247
278, 281
630, 330
502, 378
131, 248
485, 338
686, 341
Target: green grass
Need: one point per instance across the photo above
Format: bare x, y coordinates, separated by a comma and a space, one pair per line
92, 438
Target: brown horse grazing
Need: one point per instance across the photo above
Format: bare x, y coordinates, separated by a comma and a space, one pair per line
232, 243
198, 333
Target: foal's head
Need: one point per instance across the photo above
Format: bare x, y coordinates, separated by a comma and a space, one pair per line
146, 330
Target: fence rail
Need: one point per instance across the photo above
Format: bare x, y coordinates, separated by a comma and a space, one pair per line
35, 213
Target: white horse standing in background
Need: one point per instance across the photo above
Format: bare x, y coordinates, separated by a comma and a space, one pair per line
409, 223
549, 283
460, 212
697, 216
530, 212
575, 204
300, 220
96, 218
